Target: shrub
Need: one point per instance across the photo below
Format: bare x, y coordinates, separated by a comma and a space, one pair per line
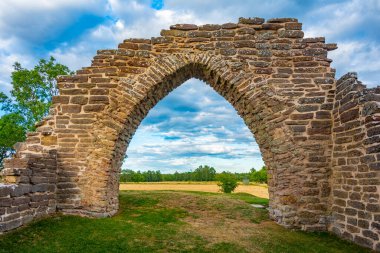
227, 182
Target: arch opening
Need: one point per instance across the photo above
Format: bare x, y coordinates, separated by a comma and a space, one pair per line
192, 126
170, 82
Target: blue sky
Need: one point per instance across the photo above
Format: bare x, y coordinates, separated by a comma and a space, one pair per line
193, 125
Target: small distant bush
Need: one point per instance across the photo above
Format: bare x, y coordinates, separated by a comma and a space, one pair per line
227, 182
245, 181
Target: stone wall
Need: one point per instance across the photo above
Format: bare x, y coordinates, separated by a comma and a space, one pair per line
30, 178
29, 191
280, 83
355, 162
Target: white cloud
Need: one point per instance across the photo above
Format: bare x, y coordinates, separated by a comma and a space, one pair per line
354, 25
339, 19
27, 27
74, 57
38, 20
6, 67
362, 57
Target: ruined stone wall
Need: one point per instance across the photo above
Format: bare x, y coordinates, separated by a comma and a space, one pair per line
280, 83
30, 179
355, 162
29, 191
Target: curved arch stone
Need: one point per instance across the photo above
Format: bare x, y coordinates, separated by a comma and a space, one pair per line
319, 137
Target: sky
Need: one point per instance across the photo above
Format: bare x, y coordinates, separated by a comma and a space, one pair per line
193, 125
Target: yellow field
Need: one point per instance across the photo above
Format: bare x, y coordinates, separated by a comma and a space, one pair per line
257, 190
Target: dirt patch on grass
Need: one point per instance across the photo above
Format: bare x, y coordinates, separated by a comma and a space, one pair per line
212, 222
217, 220
256, 190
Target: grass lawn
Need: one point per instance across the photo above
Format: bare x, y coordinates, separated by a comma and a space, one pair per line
169, 221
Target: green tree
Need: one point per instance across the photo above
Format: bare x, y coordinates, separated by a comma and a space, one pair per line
29, 101
126, 175
11, 132
137, 177
152, 176
204, 173
260, 176
227, 182
32, 90
158, 177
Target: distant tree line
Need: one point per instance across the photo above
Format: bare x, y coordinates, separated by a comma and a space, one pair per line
146, 176
201, 174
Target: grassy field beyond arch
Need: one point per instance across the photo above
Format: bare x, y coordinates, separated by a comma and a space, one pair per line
259, 190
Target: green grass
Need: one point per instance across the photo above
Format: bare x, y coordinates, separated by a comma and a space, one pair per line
250, 199
163, 221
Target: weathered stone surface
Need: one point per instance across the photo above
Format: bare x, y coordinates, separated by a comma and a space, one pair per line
80, 100
246, 30
4, 191
93, 108
272, 26
209, 27
293, 26
161, 40
185, 27
174, 33
203, 34
49, 140
71, 108
251, 21
290, 33
319, 137
282, 20
229, 26
129, 45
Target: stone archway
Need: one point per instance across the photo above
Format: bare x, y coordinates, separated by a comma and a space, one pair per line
280, 83
264, 112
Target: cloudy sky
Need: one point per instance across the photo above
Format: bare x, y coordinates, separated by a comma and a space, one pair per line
193, 125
